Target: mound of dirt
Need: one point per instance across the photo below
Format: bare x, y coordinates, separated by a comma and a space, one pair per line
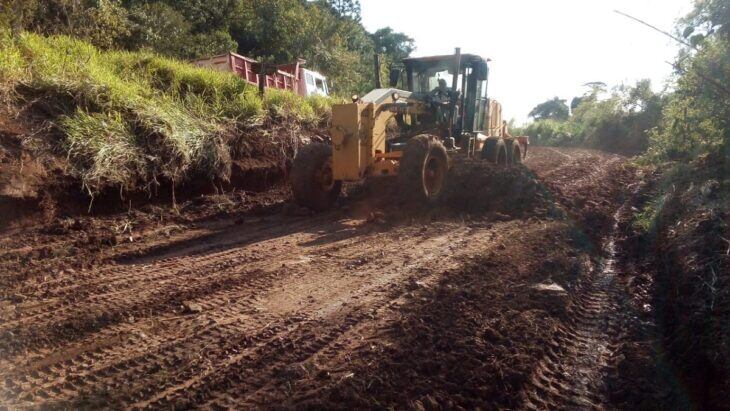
479, 187
24, 175
473, 188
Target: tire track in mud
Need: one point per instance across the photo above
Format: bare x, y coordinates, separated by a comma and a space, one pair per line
215, 240
317, 352
238, 380
154, 286
104, 359
573, 374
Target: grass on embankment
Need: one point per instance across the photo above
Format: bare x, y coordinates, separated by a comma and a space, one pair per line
129, 120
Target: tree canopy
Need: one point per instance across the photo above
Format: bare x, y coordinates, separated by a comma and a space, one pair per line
555, 109
395, 45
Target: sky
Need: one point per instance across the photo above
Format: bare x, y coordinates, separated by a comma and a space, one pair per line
541, 49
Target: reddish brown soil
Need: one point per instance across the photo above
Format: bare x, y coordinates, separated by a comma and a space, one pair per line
241, 301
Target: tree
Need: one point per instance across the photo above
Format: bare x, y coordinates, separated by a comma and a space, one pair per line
345, 8
208, 16
100, 22
707, 18
555, 109
575, 102
105, 24
154, 24
396, 46
595, 87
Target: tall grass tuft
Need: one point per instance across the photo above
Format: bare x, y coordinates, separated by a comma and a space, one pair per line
103, 150
288, 106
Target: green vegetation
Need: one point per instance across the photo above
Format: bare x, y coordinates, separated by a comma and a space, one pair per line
696, 119
554, 109
685, 124
619, 122
327, 33
135, 118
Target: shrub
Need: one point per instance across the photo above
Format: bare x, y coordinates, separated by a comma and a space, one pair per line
552, 132
322, 107
697, 116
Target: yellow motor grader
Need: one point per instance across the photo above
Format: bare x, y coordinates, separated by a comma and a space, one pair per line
414, 130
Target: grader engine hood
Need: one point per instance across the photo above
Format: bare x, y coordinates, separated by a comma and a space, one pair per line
358, 133
350, 142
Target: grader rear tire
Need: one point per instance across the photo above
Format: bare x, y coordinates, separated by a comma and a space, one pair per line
494, 151
514, 153
423, 169
311, 178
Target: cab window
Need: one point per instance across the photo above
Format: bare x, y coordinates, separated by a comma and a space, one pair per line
320, 86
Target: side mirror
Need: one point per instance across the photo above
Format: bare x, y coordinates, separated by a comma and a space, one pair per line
394, 77
482, 71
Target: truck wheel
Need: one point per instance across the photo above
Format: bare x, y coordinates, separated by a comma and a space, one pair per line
494, 151
423, 168
311, 177
514, 154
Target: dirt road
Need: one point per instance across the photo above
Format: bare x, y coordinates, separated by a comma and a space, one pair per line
336, 311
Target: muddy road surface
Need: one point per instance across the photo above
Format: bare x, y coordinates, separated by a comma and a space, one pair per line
337, 310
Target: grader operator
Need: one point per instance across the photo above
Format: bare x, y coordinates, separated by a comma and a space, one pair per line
414, 132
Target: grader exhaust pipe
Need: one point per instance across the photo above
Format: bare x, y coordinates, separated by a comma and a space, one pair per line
378, 83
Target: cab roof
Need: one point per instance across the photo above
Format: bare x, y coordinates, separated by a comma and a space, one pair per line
465, 59
445, 62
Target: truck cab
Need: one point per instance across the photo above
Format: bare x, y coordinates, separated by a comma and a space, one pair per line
313, 83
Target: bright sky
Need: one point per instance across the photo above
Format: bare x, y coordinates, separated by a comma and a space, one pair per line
541, 48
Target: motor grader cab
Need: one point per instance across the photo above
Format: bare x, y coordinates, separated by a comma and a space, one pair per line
435, 111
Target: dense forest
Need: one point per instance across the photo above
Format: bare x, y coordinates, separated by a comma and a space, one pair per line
326, 33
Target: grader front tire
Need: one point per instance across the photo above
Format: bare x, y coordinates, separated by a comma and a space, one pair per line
423, 169
311, 178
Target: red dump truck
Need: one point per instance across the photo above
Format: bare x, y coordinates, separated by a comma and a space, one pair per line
293, 77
